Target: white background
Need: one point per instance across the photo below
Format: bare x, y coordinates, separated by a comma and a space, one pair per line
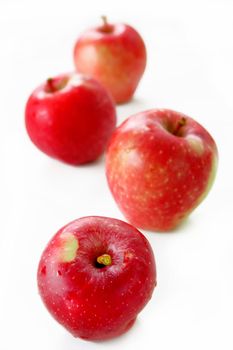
190, 69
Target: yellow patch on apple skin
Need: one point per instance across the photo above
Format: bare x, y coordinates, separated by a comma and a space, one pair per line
112, 60
69, 247
209, 184
128, 156
211, 178
196, 144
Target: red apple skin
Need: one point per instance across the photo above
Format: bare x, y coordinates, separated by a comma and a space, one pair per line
115, 55
92, 302
70, 118
158, 169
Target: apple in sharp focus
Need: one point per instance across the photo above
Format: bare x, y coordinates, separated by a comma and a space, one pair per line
95, 276
114, 54
70, 117
160, 165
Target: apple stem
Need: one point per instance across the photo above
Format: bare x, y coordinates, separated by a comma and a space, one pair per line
179, 125
50, 85
104, 259
105, 21
106, 27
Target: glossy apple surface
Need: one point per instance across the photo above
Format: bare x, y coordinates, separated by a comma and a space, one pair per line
160, 165
114, 54
70, 118
95, 276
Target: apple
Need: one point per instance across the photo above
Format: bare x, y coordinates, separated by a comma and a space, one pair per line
114, 54
160, 165
95, 276
70, 118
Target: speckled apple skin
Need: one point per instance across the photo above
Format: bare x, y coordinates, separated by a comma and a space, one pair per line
158, 178
73, 124
96, 303
116, 59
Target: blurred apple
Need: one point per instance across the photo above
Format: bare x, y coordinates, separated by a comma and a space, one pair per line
70, 117
115, 55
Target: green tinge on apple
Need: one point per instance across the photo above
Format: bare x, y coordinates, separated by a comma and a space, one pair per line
211, 179
69, 249
196, 144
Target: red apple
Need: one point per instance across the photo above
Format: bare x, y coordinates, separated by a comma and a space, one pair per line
96, 275
70, 118
114, 54
160, 166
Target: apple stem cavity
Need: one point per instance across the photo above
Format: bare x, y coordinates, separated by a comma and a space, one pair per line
54, 85
104, 260
178, 127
